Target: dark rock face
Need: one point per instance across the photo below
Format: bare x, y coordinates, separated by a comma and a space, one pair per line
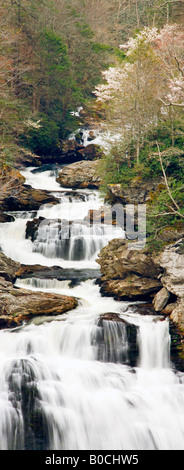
28, 198
73, 151
5, 217
32, 227
177, 346
75, 276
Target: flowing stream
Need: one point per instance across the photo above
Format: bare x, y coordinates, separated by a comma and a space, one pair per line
77, 381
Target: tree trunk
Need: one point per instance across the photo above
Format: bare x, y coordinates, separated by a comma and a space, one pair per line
137, 13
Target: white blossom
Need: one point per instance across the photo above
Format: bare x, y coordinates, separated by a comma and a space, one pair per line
34, 124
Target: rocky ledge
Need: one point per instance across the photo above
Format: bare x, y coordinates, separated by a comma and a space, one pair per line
20, 305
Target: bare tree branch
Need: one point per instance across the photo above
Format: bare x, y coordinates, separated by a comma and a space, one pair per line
169, 2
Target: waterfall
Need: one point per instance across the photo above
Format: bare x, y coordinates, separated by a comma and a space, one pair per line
154, 342
71, 241
98, 377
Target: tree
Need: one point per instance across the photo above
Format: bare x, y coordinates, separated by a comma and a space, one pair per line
132, 89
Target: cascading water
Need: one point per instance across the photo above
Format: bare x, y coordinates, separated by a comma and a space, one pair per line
83, 381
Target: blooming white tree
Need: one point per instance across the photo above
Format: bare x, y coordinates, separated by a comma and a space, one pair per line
169, 46
150, 79
131, 90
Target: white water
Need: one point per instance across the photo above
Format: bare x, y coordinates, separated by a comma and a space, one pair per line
50, 246
103, 138
69, 382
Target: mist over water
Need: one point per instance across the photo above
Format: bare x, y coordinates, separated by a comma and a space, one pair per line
78, 381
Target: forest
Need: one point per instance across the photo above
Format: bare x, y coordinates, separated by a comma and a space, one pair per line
122, 59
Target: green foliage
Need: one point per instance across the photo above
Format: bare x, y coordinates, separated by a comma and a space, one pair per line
44, 139
163, 215
53, 52
98, 48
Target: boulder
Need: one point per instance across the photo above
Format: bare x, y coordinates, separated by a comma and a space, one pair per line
28, 198
109, 316
20, 305
56, 272
117, 261
128, 274
172, 262
82, 175
4, 217
161, 299
32, 228
177, 315
8, 268
131, 288
73, 150
137, 192
116, 340
15, 195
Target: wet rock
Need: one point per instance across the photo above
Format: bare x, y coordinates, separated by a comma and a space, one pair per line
109, 316
56, 272
177, 346
73, 150
142, 308
32, 228
131, 288
6, 217
116, 340
70, 151
18, 196
20, 305
28, 198
82, 175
